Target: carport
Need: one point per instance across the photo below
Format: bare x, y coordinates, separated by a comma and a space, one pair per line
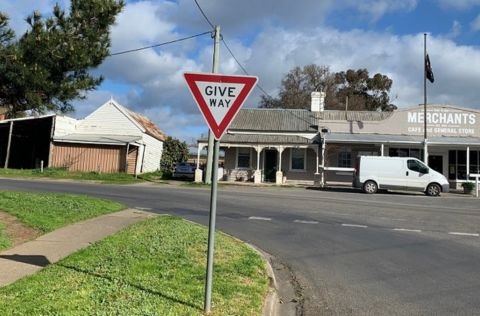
25, 142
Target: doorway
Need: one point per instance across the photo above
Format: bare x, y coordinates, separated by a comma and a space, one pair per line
270, 165
436, 163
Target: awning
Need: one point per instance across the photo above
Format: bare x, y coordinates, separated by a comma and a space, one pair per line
399, 139
97, 139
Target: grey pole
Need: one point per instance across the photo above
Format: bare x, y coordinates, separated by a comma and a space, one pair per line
216, 49
425, 144
213, 193
211, 229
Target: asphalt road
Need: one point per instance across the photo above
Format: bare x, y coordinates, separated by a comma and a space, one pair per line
351, 253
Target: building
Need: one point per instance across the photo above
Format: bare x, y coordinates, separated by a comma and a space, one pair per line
312, 146
111, 139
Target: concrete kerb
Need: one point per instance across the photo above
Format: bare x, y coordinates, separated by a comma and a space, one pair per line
271, 305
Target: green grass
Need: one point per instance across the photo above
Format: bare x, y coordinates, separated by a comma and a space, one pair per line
4, 240
156, 267
49, 211
57, 173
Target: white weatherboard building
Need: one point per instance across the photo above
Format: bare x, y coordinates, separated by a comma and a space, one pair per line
111, 139
299, 146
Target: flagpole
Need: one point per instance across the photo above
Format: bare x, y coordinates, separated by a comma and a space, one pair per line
425, 145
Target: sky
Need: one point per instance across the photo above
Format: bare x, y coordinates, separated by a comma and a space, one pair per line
269, 38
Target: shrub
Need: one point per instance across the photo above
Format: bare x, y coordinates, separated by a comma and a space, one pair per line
469, 186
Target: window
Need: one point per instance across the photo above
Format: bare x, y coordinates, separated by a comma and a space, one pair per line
415, 165
345, 159
406, 152
243, 157
457, 163
474, 168
297, 159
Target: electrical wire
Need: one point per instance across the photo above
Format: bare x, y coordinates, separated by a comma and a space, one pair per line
239, 64
204, 15
160, 44
228, 48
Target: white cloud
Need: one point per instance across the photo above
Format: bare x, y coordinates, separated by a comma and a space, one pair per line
378, 8
455, 30
475, 25
459, 4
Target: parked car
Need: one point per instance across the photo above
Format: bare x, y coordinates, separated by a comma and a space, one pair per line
184, 170
400, 173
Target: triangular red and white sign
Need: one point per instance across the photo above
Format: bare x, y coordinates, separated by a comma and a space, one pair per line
219, 97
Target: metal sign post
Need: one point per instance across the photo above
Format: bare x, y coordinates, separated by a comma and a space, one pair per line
219, 98
211, 227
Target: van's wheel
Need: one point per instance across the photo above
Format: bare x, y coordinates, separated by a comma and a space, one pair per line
433, 189
370, 187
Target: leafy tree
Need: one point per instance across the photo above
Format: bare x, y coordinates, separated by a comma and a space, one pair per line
49, 66
297, 86
363, 92
174, 151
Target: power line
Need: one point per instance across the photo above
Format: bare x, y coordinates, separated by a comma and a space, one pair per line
236, 60
204, 15
161, 44
229, 50
241, 67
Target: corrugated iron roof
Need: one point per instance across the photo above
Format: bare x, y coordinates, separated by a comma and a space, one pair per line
150, 128
295, 120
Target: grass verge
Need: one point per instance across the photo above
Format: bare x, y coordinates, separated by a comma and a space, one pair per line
4, 240
49, 211
156, 267
56, 173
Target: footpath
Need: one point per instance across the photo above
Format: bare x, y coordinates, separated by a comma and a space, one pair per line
29, 257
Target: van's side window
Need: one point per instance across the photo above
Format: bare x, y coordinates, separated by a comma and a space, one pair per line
415, 166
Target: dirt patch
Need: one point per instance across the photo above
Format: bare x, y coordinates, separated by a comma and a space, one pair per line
17, 232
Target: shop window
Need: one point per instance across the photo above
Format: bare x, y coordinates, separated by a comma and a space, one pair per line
243, 157
297, 159
406, 152
461, 164
452, 164
345, 159
457, 164
474, 163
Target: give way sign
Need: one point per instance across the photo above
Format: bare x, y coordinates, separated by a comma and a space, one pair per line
219, 97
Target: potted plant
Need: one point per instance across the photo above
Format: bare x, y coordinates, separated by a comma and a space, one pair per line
468, 187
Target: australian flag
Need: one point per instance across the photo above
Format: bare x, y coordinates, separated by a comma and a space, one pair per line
428, 69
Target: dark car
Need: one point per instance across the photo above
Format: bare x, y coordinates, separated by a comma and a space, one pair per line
184, 170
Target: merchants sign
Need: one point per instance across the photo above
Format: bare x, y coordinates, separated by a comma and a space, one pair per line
219, 97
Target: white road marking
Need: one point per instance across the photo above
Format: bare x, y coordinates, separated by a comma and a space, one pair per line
260, 218
355, 225
464, 234
144, 208
407, 230
305, 222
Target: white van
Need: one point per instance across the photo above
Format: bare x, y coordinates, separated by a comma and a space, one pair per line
397, 173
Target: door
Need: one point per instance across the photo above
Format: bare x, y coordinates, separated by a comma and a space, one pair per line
417, 174
270, 165
436, 163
